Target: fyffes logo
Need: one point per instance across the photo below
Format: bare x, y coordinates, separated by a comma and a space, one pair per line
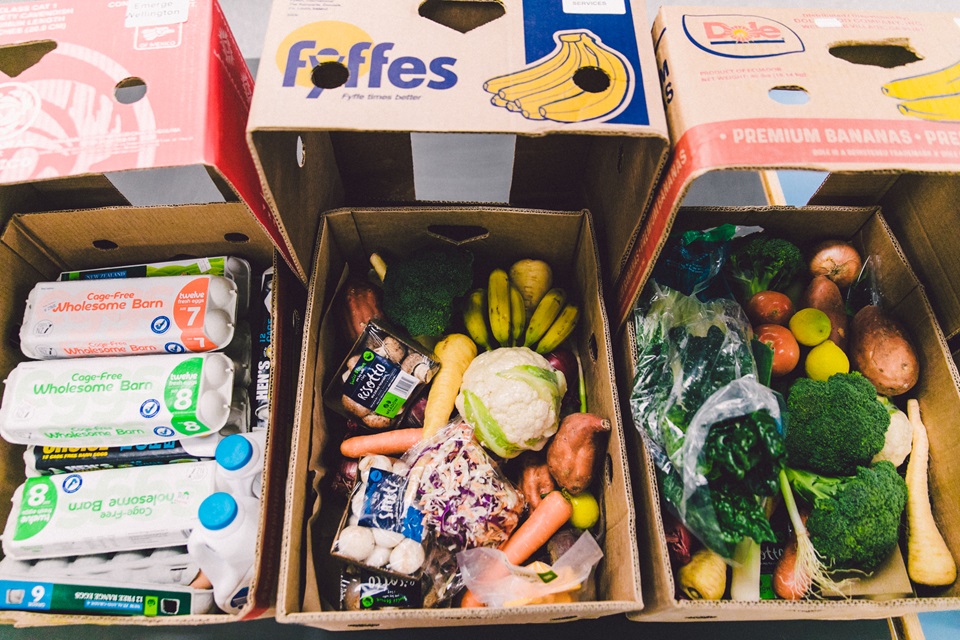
330, 55
738, 36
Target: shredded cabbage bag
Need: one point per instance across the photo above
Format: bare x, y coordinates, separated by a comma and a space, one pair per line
714, 432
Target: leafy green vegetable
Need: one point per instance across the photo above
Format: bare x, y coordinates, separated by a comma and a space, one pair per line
855, 522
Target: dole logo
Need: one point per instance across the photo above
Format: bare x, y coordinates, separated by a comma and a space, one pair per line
739, 36
331, 54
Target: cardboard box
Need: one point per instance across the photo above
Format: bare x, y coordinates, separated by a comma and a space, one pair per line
81, 165
724, 73
407, 117
310, 580
386, 105
94, 89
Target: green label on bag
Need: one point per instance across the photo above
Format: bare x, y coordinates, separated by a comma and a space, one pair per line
36, 507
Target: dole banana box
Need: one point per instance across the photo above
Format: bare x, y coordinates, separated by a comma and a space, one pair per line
867, 100
553, 102
122, 143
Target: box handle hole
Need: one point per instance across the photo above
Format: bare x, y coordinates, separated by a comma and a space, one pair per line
460, 15
591, 79
789, 95
105, 245
564, 618
364, 625
130, 90
236, 238
329, 75
17, 58
301, 152
458, 234
875, 54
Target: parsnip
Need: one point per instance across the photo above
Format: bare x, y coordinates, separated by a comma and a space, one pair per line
929, 561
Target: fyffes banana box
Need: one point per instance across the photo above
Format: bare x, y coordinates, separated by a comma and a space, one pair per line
79, 318
107, 511
116, 401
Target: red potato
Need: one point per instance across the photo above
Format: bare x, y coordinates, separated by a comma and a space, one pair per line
881, 350
837, 260
823, 293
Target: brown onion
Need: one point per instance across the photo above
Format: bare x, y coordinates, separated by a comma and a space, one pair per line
838, 260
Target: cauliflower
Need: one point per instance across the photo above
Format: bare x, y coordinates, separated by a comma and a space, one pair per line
898, 440
511, 398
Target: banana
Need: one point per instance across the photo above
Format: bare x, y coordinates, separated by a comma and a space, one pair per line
475, 318
569, 62
518, 316
588, 105
560, 330
545, 65
498, 306
533, 278
544, 315
941, 109
936, 83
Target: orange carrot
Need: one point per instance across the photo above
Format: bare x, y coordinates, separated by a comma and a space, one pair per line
550, 515
384, 443
788, 583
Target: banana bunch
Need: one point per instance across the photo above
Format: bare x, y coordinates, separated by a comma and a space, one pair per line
498, 315
580, 80
931, 96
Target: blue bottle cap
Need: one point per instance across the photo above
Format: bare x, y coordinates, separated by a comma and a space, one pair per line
217, 511
234, 452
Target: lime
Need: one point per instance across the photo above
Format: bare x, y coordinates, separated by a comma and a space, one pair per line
586, 510
826, 359
810, 326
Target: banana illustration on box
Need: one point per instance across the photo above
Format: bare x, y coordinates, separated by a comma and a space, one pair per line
582, 79
931, 96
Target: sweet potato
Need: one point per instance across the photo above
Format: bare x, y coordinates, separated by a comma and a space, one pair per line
360, 303
823, 293
881, 350
572, 454
535, 479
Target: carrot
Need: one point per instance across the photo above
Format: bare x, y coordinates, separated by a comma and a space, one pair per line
470, 601
552, 513
455, 352
384, 443
929, 560
788, 583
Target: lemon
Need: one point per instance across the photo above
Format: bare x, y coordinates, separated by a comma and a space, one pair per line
826, 359
810, 326
586, 510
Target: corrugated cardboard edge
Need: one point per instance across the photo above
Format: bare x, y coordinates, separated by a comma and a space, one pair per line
341, 620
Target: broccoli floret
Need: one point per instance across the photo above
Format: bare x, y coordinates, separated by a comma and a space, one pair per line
835, 425
763, 263
855, 522
419, 292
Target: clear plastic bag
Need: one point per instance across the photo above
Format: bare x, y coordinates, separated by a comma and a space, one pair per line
715, 433
497, 583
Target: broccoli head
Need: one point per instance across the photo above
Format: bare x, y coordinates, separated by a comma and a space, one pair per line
418, 292
763, 263
855, 522
835, 425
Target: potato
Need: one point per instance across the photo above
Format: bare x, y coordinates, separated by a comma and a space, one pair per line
881, 350
823, 293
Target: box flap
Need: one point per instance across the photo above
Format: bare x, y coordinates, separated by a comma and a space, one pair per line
394, 87
829, 90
